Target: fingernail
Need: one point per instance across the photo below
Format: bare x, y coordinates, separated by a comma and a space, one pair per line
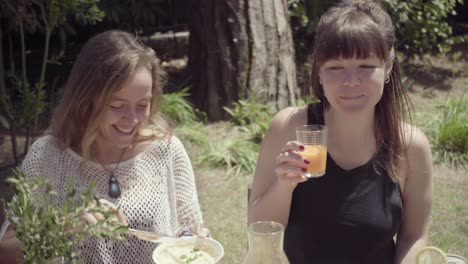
304, 170
301, 147
306, 162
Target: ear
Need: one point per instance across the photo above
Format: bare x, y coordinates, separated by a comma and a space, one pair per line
320, 78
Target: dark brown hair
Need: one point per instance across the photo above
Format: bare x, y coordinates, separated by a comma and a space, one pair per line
357, 29
104, 64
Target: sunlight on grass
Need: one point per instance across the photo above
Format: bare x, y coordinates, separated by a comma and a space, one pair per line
223, 200
449, 225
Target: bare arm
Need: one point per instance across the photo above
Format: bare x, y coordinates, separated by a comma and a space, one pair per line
277, 174
417, 199
10, 250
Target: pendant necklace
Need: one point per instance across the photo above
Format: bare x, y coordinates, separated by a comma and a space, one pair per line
114, 187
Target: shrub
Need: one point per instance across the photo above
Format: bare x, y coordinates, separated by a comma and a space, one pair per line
251, 116
237, 153
422, 25
47, 231
178, 108
451, 135
193, 133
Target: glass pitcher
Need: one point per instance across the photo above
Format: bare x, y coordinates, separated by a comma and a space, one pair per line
266, 243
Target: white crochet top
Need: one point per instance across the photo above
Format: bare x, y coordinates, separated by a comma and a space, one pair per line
158, 192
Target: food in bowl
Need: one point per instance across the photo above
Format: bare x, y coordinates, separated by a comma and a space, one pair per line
181, 252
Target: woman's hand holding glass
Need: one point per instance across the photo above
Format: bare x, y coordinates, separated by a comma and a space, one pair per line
290, 165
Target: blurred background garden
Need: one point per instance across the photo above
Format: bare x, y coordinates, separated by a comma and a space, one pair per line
231, 65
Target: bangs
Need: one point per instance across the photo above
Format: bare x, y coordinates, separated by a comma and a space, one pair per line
349, 36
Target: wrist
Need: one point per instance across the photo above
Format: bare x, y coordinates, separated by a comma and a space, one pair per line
285, 186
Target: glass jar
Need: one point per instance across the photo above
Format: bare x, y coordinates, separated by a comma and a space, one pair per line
266, 243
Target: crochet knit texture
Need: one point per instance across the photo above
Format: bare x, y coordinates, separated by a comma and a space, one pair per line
158, 192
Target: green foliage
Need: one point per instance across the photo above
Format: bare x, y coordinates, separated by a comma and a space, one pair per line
297, 10
193, 133
451, 136
141, 14
238, 154
84, 11
422, 25
304, 15
178, 108
47, 231
251, 116
23, 100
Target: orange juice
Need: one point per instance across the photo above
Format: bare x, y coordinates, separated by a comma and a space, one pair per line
317, 155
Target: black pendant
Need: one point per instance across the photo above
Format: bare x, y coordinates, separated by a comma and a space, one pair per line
114, 188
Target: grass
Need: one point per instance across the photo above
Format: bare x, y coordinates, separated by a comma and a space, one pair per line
223, 200
449, 223
451, 138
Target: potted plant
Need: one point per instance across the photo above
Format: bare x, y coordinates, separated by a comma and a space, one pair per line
49, 233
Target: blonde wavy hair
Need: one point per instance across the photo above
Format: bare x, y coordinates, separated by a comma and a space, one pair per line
104, 64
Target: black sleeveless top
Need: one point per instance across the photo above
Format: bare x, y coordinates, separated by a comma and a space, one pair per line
345, 216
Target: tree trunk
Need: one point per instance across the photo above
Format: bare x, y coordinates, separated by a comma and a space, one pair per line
238, 47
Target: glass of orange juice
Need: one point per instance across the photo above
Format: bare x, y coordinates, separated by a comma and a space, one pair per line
314, 139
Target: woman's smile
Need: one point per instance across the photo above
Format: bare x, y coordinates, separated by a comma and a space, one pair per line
124, 130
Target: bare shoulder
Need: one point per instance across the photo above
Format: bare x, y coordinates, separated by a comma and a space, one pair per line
287, 117
415, 141
418, 159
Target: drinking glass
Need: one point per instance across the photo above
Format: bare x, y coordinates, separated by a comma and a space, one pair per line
265, 244
314, 139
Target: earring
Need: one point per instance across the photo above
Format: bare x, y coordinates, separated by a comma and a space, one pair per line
387, 80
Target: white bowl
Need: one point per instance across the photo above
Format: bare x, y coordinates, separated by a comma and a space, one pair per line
166, 253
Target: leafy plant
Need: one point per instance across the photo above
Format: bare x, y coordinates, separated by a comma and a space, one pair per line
193, 133
238, 154
179, 108
251, 116
47, 231
32, 16
304, 17
451, 136
422, 25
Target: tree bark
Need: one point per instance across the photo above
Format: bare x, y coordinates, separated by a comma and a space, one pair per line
238, 47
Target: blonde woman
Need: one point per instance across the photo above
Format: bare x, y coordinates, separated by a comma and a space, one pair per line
378, 179
108, 128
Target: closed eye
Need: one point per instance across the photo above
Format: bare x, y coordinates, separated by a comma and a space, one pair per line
334, 68
115, 107
368, 66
